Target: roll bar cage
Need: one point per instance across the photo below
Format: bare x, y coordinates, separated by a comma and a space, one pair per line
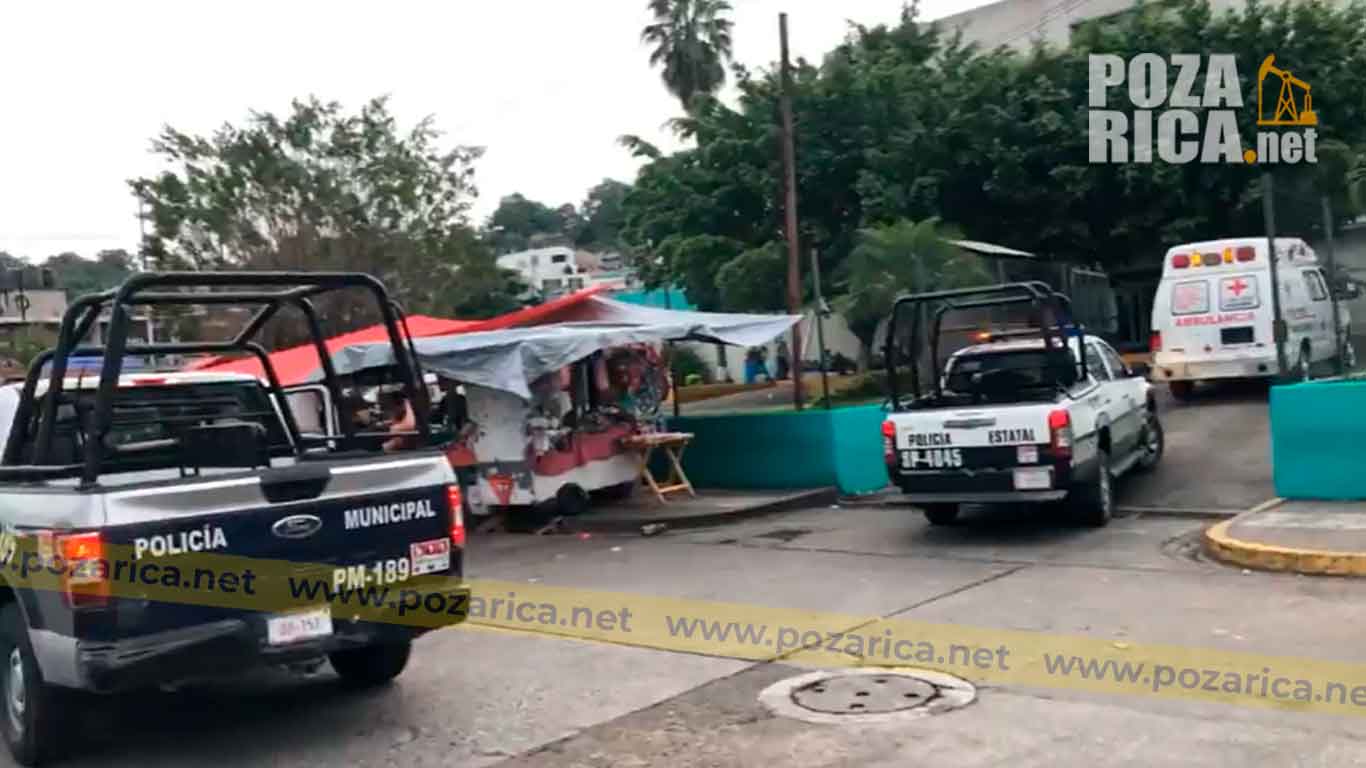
296, 289
1033, 293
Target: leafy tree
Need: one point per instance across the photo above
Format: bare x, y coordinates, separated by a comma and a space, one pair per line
79, 276
317, 188
602, 216
517, 220
899, 258
756, 280
903, 122
691, 42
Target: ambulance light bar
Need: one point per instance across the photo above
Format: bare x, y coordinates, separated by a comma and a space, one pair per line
1193, 259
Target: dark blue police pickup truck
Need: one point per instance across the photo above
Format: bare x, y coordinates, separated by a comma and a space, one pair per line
116, 487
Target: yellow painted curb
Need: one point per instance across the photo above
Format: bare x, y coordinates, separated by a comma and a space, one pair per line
1270, 557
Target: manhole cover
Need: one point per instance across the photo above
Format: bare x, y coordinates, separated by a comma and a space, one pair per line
870, 695
864, 694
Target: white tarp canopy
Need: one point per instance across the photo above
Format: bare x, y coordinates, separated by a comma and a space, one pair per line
511, 359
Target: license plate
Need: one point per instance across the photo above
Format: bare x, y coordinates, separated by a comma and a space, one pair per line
430, 556
1027, 454
295, 627
1033, 479
932, 458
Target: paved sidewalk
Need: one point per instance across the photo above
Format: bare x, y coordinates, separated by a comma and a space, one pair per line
1310, 537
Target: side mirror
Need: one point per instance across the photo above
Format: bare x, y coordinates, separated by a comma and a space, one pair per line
1140, 370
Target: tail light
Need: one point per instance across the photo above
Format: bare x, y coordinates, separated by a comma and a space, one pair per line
1060, 434
457, 515
84, 569
1155, 342
889, 443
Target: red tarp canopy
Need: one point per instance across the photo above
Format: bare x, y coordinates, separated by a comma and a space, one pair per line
297, 365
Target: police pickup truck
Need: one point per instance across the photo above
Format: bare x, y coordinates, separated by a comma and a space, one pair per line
123, 479
1035, 412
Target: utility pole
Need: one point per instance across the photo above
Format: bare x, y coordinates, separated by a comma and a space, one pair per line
1278, 323
794, 279
820, 325
1331, 261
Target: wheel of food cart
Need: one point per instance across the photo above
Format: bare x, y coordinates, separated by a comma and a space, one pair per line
572, 500
33, 709
372, 665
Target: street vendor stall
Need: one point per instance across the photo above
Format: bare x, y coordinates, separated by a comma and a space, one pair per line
551, 413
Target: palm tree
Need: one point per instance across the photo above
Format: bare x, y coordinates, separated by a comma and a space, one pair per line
899, 258
691, 40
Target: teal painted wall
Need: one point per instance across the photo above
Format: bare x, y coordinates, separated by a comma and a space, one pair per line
1317, 429
810, 449
676, 299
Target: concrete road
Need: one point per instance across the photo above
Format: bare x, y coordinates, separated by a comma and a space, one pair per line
482, 697
1218, 454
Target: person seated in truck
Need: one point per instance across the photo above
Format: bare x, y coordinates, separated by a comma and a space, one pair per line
401, 419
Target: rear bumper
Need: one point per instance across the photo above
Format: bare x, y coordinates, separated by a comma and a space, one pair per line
1168, 369
217, 649
980, 485
1011, 497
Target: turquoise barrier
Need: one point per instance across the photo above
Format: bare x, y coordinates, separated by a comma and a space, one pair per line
1317, 430
811, 449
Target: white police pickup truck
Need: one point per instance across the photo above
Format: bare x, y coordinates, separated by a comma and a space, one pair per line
1042, 414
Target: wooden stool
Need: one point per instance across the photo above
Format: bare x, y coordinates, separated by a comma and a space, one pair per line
672, 443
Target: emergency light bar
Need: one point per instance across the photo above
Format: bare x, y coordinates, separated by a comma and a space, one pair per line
1230, 255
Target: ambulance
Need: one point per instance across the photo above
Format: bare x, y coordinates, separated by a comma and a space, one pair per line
1212, 315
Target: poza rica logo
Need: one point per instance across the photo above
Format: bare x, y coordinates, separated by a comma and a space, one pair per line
1164, 116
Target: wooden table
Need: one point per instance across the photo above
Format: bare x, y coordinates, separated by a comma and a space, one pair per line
672, 443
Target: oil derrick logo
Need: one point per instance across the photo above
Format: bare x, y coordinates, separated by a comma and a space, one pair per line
1287, 113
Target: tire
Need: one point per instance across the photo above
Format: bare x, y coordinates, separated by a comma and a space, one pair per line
33, 709
1093, 502
941, 514
1304, 366
371, 666
571, 500
1153, 443
1181, 390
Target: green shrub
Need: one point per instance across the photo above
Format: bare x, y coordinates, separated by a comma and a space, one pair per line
685, 364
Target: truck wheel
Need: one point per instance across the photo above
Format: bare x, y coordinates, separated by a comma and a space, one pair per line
1153, 444
1093, 502
941, 514
372, 665
31, 706
1181, 390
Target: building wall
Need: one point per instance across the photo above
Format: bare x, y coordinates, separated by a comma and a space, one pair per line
1019, 23
548, 271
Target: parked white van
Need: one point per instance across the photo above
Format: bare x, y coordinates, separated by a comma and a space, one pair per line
1212, 315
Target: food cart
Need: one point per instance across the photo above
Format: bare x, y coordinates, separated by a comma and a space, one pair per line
554, 413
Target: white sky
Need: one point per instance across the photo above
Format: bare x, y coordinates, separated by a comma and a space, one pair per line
544, 85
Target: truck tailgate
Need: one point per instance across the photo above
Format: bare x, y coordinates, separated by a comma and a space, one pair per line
378, 521
1001, 436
